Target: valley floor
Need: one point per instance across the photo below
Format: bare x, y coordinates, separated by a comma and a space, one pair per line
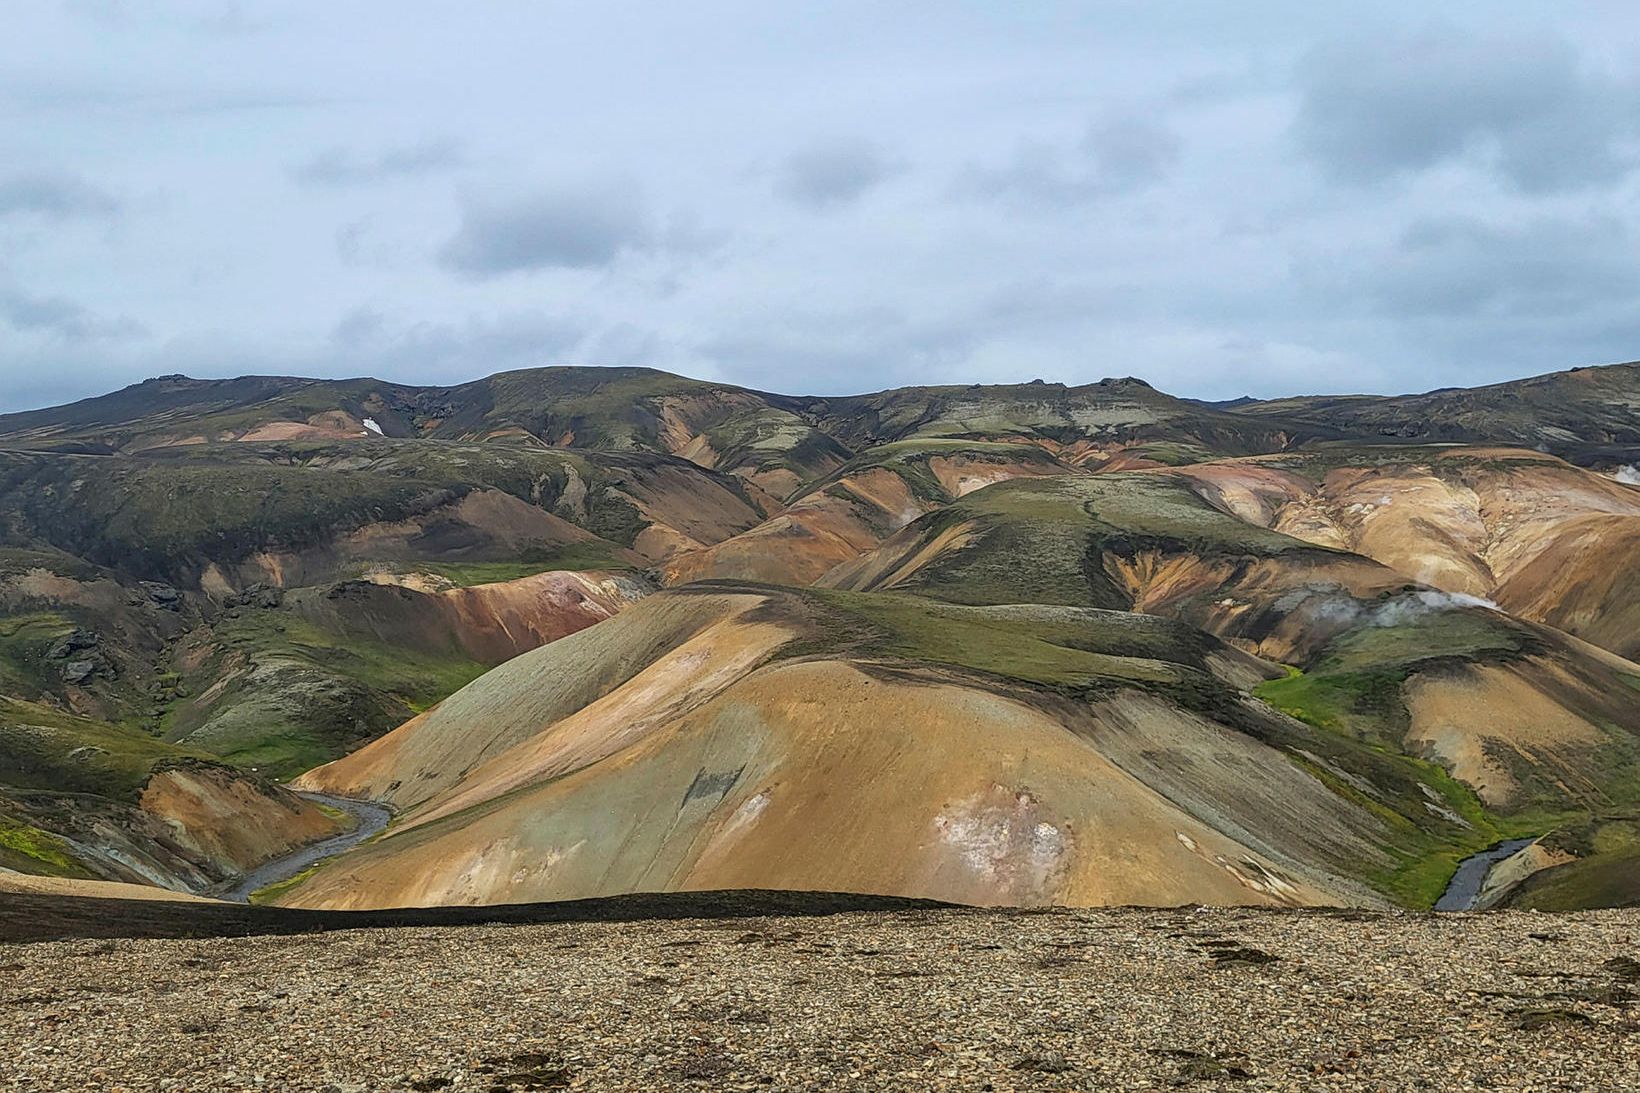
925, 998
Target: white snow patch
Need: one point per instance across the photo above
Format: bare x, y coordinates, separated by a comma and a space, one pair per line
1628, 475
370, 423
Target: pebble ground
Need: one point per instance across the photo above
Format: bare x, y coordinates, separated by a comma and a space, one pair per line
916, 1000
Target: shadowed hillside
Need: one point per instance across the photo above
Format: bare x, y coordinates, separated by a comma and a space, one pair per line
1588, 415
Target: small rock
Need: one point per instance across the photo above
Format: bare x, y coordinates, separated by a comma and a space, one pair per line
78, 671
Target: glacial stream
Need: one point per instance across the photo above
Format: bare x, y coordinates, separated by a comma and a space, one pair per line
1465, 889
369, 818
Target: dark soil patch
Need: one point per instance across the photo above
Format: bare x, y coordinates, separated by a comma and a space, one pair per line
528, 1070
1626, 968
1538, 1020
1044, 1062
34, 917
1242, 957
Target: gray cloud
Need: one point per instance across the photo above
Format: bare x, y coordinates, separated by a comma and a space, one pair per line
833, 173
586, 227
56, 196
364, 341
1117, 154
1129, 152
1462, 266
62, 319
341, 167
1459, 299
1530, 107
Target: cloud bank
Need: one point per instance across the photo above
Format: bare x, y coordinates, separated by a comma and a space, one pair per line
1298, 199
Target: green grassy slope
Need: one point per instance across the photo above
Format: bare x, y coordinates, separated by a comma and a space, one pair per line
278, 693
1044, 540
45, 748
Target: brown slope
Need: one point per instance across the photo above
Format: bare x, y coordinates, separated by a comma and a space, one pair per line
702, 762
428, 755
859, 506
490, 623
1526, 715
231, 822
772, 785
815, 533
1544, 539
191, 825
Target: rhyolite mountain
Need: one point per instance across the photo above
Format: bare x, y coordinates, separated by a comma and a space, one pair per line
591, 631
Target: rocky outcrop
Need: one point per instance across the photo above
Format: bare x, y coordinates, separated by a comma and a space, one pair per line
228, 821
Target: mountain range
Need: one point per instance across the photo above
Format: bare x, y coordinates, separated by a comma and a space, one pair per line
590, 631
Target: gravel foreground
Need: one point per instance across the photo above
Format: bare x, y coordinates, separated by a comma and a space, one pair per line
913, 1000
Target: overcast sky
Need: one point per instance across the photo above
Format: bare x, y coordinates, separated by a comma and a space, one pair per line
1258, 198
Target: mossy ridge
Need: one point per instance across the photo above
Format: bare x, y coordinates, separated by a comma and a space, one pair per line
601, 407
1354, 684
305, 694
1443, 459
310, 398
1399, 644
16, 561
28, 849
45, 748
571, 557
1034, 645
771, 438
1605, 871
1159, 512
1366, 707
1045, 540
167, 518
1426, 845
168, 513
1357, 686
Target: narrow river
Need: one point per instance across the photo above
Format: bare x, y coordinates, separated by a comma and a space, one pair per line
1465, 889
369, 818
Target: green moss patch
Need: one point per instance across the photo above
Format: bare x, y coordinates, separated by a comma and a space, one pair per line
577, 557
1036, 645
30, 850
